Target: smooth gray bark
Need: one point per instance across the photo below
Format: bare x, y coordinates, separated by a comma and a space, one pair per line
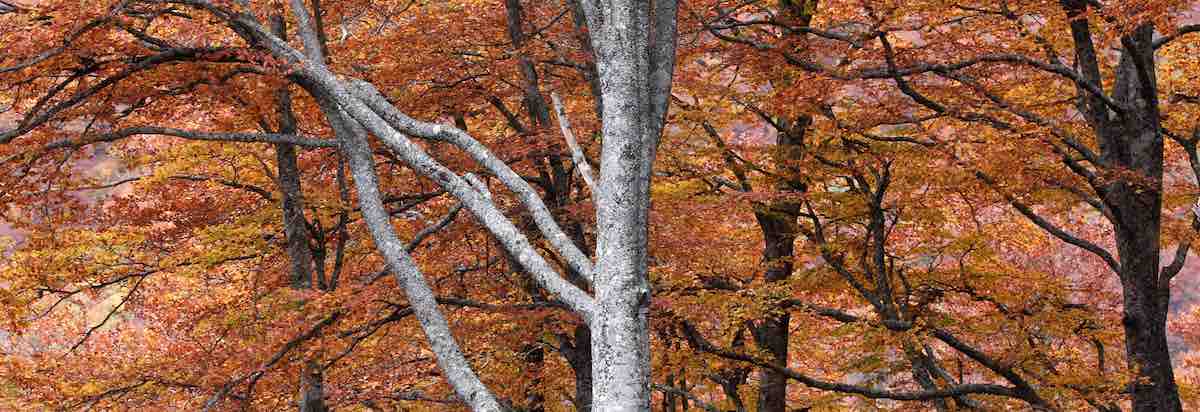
354, 145
634, 44
480, 153
635, 47
452, 362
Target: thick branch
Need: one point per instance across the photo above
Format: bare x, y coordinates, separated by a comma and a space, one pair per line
1049, 227
525, 193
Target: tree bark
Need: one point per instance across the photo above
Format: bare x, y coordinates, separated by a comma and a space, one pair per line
1133, 141
312, 390
294, 224
300, 259
295, 227
578, 352
635, 49
777, 220
1136, 143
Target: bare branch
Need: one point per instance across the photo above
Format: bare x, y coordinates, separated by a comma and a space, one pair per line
581, 163
292, 344
1163, 41
367, 94
243, 137
1169, 272
1049, 227
39, 117
671, 390
125, 299
699, 342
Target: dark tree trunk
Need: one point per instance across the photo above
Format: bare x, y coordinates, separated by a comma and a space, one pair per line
295, 227
577, 350
1134, 142
535, 357
777, 220
922, 372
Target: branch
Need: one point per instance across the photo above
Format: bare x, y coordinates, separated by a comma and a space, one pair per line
434, 228
581, 163
39, 117
1162, 41
1050, 227
91, 401
671, 390
337, 100
1169, 272
1022, 389
392, 120
454, 365
132, 290
292, 344
697, 341
47, 54
847, 38
924, 67
662, 43
263, 193
242, 137
308, 32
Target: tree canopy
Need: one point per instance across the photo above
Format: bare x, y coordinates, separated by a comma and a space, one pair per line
618, 205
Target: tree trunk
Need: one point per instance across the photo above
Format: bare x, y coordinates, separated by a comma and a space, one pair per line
294, 225
578, 351
295, 229
634, 44
1135, 142
777, 220
312, 391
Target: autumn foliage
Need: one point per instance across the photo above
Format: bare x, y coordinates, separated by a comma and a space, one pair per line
856, 205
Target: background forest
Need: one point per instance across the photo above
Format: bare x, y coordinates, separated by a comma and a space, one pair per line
576, 205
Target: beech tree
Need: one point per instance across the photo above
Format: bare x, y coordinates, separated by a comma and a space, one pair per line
634, 49
375, 205
959, 79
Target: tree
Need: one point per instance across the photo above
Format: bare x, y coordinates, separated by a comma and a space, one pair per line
635, 68
1114, 151
888, 205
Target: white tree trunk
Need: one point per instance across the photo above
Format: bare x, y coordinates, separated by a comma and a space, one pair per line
635, 54
635, 47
